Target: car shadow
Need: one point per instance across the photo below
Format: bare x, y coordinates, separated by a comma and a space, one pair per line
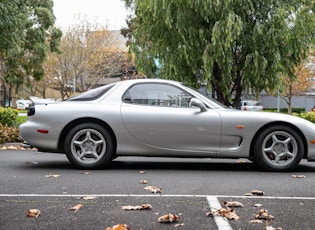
197, 165
144, 163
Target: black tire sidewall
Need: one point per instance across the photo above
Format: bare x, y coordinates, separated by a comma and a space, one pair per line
258, 154
102, 163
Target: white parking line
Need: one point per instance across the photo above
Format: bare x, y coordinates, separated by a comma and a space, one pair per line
221, 221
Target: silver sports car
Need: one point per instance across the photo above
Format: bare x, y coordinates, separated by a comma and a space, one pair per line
154, 117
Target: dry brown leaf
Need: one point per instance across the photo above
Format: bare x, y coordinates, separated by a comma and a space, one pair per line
33, 213
264, 214
179, 225
85, 173
153, 189
258, 192
137, 207
298, 176
76, 208
52, 175
143, 182
256, 221
233, 204
225, 212
248, 194
119, 227
168, 218
257, 205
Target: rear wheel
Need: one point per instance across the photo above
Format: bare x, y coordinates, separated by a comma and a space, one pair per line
278, 148
89, 146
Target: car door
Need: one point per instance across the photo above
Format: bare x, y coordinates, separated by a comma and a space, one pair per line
159, 115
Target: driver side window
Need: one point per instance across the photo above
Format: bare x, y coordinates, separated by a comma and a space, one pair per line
157, 95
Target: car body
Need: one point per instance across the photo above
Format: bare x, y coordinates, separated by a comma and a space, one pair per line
251, 105
163, 118
22, 104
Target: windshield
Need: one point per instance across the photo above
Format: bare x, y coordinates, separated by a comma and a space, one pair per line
91, 94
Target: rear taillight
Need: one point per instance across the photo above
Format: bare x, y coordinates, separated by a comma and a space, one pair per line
245, 108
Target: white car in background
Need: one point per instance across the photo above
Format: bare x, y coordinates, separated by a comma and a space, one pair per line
23, 104
251, 105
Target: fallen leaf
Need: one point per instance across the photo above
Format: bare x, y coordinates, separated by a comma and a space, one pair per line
264, 214
168, 218
142, 172
52, 175
256, 221
233, 204
138, 207
119, 227
143, 182
248, 194
85, 173
257, 205
76, 208
153, 189
258, 192
298, 176
225, 212
179, 225
33, 213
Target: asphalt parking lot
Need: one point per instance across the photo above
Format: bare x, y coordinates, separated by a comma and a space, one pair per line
106, 211
190, 190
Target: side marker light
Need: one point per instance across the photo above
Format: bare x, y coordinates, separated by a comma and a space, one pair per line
44, 131
312, 141
240, 126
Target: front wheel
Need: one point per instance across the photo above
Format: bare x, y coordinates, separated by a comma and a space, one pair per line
278, 148
89, 146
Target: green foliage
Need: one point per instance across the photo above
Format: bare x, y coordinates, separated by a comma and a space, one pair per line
231, 45
27, 34
310, 116
8, 116
285, 110
8, 121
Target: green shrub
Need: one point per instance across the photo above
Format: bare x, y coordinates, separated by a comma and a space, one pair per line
9, 134
8, 116
310, 116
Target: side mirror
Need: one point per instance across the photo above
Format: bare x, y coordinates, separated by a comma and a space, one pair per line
195, 102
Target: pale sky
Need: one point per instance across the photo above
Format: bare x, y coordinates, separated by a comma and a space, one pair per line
105, 12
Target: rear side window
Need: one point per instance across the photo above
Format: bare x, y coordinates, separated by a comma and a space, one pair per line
92, 94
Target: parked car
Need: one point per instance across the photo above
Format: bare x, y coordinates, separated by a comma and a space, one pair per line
22, 104
251, 105
161, 118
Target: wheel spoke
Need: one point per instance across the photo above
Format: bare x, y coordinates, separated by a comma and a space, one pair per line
279, 148
89, 146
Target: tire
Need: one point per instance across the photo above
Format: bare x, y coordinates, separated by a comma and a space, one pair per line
89, 146
278, 148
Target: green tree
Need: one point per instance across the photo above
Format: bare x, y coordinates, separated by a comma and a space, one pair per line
27, 34
230, 45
